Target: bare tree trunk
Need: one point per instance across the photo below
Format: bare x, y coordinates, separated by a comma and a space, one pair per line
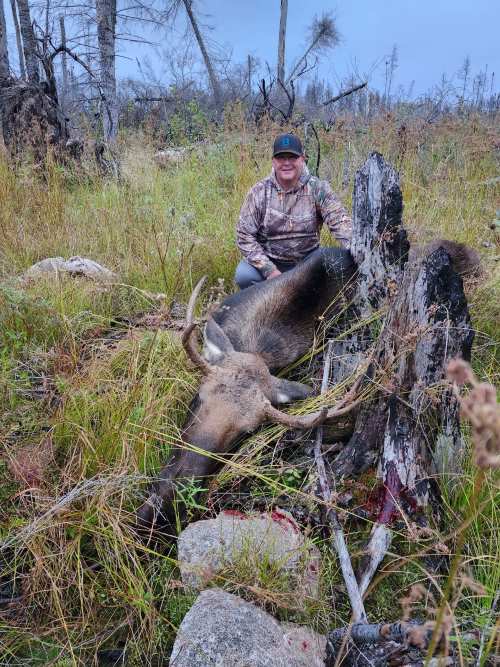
29, 41
106, 24
19, 43
4, 51
282, 41
249, 65
214, 82
64, 91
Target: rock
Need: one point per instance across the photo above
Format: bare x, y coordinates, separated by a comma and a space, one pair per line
205, 548
223, 630
74, 266
171, 156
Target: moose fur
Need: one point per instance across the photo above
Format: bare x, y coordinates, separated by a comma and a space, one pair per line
265, 326
276, 319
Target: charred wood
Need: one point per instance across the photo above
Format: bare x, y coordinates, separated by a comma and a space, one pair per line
31, 118
412, 427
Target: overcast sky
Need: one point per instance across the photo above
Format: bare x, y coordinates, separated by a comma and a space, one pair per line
433, 36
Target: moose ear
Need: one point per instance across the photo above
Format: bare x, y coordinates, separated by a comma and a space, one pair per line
217, 344
285, 391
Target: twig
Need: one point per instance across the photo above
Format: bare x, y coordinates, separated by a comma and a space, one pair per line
358, 609
345, 93
380, 541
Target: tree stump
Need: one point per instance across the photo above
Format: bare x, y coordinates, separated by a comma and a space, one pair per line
380, 248
412, 425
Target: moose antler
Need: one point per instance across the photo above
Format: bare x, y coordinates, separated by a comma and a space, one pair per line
192, 350
296, 421
187, 339
345, 405
192, 300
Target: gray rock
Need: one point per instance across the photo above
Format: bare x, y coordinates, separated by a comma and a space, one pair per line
222, 630
206, 548
74, 266
171, 156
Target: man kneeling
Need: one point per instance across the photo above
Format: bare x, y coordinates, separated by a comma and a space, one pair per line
281, 218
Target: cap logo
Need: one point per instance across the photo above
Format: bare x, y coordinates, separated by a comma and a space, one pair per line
286, 141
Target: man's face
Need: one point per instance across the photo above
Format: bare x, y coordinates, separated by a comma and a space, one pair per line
288, 168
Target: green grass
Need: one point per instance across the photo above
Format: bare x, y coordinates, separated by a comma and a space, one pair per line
115, 395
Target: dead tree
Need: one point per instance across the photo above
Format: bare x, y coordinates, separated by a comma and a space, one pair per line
31, 119
18, 39
212, 76
30, 48
4, 51
417, 321
282, 41
323, 35
64, 90
106, 26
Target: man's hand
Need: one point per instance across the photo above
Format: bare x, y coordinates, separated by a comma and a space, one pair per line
274, 274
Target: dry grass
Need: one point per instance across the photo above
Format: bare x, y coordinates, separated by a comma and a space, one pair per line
109, 397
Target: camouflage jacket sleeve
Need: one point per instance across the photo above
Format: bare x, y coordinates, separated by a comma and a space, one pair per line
333, 214
251, 216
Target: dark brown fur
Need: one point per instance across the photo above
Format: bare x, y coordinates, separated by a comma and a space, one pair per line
465, 260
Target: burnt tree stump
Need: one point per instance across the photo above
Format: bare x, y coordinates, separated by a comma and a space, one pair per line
31, 118
411, 427
380, 248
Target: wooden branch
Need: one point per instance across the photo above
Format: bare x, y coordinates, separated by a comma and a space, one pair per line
318, 156
380, 541
353, 592
345, 93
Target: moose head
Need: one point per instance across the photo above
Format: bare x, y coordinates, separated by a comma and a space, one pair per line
237, 394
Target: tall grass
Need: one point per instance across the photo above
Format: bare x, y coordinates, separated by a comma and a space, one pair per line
96, 398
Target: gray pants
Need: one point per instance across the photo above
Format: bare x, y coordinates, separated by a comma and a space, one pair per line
246, 274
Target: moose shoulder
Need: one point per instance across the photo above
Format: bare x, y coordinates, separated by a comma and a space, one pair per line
276, 319
265, 326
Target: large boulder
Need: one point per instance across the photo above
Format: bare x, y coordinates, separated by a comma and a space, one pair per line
223, 630
206, 548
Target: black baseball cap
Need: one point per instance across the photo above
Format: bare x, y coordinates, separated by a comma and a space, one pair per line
287, 143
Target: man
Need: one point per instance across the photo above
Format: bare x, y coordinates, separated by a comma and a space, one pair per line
282, 215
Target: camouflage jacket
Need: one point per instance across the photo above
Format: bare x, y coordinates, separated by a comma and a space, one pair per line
275, 225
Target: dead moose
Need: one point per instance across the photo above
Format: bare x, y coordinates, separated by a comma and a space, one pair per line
266, 326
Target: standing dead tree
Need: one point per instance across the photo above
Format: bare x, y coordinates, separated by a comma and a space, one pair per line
30, 48
19, 42
280, 72
106, 26
4, 52
212, 76
323, 35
